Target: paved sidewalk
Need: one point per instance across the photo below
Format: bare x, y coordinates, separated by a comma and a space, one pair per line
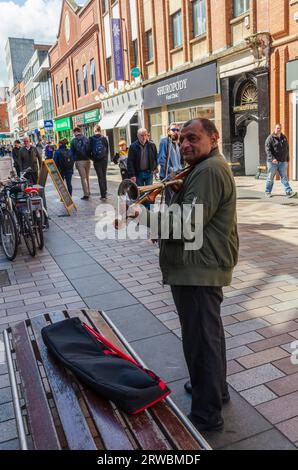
260, 310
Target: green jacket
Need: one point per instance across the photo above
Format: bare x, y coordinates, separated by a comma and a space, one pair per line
210, 183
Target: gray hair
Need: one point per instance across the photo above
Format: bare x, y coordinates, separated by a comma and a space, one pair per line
142, 130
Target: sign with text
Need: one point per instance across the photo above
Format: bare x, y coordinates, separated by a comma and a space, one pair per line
199, 83
117, 49
49, 167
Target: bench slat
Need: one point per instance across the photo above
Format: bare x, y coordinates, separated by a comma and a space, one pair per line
76, 430
42, 425
181, 438
142, 425
111, 431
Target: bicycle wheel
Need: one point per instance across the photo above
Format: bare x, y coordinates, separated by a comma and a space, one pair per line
28, 235
38, 230
9, 235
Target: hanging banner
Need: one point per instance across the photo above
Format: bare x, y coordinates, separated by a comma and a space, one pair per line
117, 49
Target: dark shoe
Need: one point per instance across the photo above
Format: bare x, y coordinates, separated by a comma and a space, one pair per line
188, 388
103, 198
204, 425
85, 198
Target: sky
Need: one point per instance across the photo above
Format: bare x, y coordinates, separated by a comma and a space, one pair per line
33, 19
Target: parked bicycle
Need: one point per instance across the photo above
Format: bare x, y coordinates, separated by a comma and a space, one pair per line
8, 229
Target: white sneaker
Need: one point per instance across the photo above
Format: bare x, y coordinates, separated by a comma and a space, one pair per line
292, 194
268, 194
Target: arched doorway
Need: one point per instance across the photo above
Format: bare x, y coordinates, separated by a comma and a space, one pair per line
251, 148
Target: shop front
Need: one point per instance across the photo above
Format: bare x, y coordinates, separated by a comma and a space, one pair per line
63, 127
48, 126
292, 88
180, 98
122, 117
86, 121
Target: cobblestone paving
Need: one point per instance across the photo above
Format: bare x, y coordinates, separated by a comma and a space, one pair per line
260, 310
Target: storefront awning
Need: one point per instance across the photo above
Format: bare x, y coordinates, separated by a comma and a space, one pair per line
110, 120
127, 117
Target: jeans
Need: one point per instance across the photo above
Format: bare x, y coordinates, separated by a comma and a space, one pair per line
67, 176
144, 178
101, 170
272, 168
204, 347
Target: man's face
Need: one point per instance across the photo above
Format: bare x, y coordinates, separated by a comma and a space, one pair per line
277, 129
26, 142
143, 137
196, 143
174, 132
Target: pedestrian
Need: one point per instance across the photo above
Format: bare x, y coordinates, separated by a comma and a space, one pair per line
49, 150
197, 275
65, 163
99, 152
15, 156
169, 157
142, 159
277, 151
39, 148
120, 158
30, 158
80, 153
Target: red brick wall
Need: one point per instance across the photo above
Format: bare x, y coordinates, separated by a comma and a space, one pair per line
4, 118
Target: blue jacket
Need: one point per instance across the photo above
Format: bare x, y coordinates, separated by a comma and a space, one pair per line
174, 160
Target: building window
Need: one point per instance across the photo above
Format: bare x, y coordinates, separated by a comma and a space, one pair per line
109, 69
105, 6
149, 40
85, 79
62, 93
57, 95
135, 53
199, 17
240, 7
67, 89
177, 29
92, 74
78, 83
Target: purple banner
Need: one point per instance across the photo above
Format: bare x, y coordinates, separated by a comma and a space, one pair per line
117, 49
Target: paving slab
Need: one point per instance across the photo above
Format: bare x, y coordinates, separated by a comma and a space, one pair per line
268, 440
257, 395
110, 301
255, 376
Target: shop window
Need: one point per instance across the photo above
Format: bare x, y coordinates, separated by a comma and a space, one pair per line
62, 93
85, 79
67, 90
57, 95
149, 40
135, 53
92, 74
199, 17
240, 7
177, 29
78, 83
109, 69
155, 126
105, 6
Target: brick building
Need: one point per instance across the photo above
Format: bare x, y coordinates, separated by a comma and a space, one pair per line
221, 59
19, 92
4, 121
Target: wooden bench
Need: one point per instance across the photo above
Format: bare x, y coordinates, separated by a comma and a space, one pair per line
55, 411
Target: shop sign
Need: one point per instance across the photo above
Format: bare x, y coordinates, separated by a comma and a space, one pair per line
78, 120
48, 124
245, 107
198, 83
135, 72
63, 124
91, 116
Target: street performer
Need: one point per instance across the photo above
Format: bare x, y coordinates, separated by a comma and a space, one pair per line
197, 276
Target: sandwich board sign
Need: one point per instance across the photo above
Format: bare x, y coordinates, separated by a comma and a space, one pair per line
49, 167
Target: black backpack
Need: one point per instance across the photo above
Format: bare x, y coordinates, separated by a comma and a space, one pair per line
99, 148
65, 160
81, 148
103, 367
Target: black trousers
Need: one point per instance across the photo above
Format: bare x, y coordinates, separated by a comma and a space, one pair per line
101, 171
204, 347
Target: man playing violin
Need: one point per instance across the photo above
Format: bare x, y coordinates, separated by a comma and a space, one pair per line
197, 276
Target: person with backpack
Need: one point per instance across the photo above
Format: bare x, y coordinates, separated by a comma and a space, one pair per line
79, 148
64, 163
99, 151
